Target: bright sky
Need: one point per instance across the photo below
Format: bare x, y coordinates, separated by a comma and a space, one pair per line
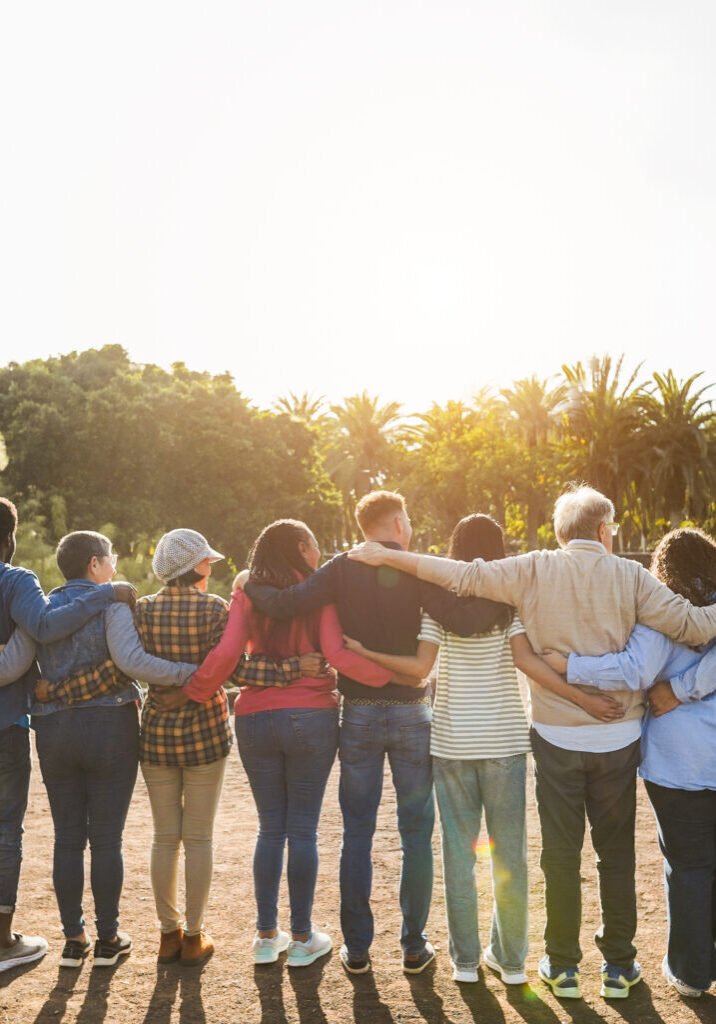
417, 197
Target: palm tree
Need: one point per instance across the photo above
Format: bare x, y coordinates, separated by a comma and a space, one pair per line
532, 415
676, 446
302, 407
360, 447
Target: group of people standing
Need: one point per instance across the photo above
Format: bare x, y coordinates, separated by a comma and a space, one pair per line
379, 616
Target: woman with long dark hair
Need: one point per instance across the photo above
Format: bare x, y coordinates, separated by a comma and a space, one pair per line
479, 743
287, 736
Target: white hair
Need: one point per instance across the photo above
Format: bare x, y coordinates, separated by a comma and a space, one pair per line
578, 513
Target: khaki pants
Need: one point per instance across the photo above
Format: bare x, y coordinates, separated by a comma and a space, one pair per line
184, 803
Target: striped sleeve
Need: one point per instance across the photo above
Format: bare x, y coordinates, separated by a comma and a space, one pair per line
431, 630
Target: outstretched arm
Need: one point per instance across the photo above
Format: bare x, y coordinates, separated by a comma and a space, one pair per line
314, 592
417, 665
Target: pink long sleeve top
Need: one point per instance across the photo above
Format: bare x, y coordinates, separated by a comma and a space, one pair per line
319, 631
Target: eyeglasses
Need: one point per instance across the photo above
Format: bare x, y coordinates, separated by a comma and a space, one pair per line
613, 528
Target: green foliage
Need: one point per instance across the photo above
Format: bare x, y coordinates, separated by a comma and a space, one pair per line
92, 438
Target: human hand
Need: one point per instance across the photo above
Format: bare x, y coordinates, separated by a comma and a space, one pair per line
413, 682
240, 580
313, 664
661, 698
602, 707
168, 698
42, 691
555, 660
370, 552
125, 593
353, 645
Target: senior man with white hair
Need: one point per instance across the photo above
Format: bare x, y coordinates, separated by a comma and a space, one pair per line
577, 598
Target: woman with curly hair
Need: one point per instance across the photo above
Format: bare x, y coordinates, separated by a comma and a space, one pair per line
678, 754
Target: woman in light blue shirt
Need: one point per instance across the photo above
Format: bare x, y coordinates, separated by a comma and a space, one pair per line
678, 756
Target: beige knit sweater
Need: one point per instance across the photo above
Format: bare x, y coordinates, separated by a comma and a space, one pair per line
578, 598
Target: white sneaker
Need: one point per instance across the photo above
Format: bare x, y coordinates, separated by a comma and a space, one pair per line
24, 950
301, 954
508, 977
681, 987
465, 975
266, 951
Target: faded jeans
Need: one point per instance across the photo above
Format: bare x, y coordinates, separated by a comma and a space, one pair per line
463, 788
14, 786
368, 733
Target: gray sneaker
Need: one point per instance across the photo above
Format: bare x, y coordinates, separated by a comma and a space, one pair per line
24, 950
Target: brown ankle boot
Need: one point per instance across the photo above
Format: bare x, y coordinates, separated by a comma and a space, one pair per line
195, 949
170, 946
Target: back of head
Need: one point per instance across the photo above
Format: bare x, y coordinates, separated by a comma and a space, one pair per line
8, 518
76, 550
377, 510
276, 558
479, 536
685, 560
578, 513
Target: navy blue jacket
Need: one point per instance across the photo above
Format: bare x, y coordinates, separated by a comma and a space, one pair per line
379, 606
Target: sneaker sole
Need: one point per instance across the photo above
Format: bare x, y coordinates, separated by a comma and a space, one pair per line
66, 961
618, 993
570, 993
272, 956
18, 961
308, 960
508, 977
420, 968
356, 970
110, 961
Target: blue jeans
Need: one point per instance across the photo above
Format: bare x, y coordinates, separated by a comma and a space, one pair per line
686, 821
89, 758
463, 789
14, 786
368, 733
287, 755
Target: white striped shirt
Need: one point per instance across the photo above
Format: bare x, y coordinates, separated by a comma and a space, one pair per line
478, 710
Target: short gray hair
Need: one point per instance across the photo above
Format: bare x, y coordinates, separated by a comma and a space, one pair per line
578, 513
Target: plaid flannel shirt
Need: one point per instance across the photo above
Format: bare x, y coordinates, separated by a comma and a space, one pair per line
258, 670
99, 681
182, 624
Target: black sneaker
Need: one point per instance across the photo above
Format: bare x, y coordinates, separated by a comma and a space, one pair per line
74, 953
354, 965
107, 952
418, 965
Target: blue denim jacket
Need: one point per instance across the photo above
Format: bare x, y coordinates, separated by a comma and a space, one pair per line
23, 603
83, 649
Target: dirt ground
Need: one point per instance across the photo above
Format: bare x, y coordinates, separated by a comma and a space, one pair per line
230, 990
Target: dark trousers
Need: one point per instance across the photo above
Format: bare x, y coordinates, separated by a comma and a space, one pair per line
89, 759
686, 821
569, 783
14, 785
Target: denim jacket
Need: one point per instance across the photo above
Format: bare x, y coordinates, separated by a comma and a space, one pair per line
83, 649
23, 603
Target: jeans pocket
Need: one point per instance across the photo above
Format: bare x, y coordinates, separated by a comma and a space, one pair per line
316, 731
414, 744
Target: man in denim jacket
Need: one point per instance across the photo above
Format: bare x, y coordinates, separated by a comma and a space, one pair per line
23, 603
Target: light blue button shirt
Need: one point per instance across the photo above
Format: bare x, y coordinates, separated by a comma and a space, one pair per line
678, 748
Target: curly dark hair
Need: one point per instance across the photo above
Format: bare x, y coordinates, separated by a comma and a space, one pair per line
479, 536
685, 561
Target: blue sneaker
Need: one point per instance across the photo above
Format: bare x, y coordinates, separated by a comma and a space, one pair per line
564, 981
616, 981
